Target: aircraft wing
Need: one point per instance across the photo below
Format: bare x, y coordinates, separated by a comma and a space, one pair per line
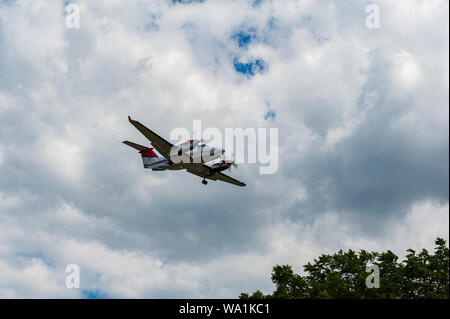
199, 170
160, 144
226, 179
203, 171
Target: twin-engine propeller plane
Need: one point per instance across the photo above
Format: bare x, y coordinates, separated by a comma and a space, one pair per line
191, 155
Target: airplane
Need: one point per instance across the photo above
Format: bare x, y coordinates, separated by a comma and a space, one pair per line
191, 155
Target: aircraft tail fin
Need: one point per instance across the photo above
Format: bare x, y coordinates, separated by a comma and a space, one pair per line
148, 156
148, 153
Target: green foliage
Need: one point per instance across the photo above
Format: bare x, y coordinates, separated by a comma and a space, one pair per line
256, 295
343, 275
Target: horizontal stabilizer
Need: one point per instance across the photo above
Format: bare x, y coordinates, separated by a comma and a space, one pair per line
136, 146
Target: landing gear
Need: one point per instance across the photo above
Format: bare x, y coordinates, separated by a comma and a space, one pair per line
204, 181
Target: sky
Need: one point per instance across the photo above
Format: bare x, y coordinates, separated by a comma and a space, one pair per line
363, 140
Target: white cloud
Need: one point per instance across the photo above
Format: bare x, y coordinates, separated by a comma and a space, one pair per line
134, 273
406, 71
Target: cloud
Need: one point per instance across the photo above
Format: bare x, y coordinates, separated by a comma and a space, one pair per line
362, 116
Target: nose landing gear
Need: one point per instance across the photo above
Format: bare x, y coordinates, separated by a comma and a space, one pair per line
204, 181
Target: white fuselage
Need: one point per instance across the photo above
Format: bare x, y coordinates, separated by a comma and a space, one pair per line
194, 153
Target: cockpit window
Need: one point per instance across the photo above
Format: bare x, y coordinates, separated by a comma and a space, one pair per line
203, 145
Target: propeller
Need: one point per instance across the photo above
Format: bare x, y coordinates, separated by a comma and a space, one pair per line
229, 162
233, 163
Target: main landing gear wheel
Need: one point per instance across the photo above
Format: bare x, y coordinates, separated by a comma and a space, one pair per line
204, 182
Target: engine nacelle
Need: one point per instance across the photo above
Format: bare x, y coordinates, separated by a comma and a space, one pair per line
221, 166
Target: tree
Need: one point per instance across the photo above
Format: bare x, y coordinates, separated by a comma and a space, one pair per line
343, 275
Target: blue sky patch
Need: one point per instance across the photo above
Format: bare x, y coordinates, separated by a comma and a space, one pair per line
256, 3
249, 68
93, 294
186, 1
270, 114
244, 37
